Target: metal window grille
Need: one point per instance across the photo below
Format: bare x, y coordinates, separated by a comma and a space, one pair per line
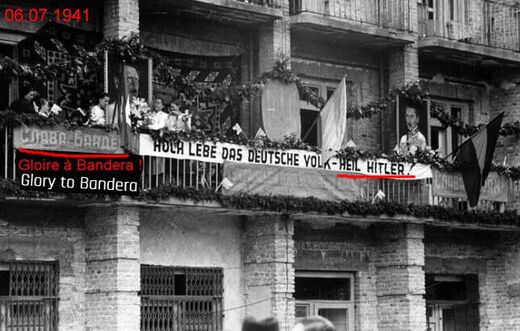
28, 296
180, 298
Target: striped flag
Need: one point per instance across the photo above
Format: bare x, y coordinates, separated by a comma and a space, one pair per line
334, 121
475, 156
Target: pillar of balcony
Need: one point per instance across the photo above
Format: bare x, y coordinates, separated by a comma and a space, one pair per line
269, 269
400, 281
112, 269
121, 18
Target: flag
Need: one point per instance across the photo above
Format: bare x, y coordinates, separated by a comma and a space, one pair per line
475, 156
226, 184
380, 195
260, 133
334, 121
125, 124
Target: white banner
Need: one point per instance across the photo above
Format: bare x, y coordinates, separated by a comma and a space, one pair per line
220, 152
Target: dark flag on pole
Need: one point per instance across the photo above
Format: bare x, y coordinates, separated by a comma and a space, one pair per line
475, 156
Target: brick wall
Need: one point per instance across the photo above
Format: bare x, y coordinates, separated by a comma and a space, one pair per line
197, 239
319, 247
325, 63
50, 234
494, 257
121, 18
400, 278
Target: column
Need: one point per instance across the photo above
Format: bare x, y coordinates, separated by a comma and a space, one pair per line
113, 270
400, 283
269, 269
121, 18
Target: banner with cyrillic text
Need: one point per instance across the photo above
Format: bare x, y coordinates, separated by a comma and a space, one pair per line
220, 152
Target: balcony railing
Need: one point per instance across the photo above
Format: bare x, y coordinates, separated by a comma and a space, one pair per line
390, 14
159, 171
479, 22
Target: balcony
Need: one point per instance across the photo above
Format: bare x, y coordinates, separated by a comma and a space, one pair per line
444, 189
374, 23
241, 12
479, 31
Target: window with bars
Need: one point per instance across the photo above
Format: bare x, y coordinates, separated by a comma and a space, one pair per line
29, 295
181, 298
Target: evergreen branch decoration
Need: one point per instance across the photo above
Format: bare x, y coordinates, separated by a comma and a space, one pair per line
288, 204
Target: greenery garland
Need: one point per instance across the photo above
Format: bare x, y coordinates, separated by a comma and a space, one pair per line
286, 204
447, 120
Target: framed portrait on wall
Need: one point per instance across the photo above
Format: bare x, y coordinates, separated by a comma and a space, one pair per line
128, 80
412, 125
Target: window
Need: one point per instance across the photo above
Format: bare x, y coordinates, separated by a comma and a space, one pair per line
452, 302
328, 294
445, 140
28, 295
180, 298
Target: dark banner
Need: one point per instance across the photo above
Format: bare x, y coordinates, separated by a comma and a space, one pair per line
117, 174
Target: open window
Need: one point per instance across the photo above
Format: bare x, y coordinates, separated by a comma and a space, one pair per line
327, 294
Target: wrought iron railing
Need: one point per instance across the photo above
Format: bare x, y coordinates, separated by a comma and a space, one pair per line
159, 171
480, 22
393, 14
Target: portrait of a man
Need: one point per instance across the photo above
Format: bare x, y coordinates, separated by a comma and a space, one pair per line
413, 128
413, 140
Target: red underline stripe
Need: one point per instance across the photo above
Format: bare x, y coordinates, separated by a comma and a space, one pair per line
74, 156
349, 176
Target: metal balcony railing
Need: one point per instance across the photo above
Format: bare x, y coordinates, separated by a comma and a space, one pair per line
158, 171
479, 22
390, 14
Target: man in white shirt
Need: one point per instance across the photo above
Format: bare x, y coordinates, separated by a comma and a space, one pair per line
158, 118
97, 113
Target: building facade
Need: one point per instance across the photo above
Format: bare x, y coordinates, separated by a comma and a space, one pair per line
182, 264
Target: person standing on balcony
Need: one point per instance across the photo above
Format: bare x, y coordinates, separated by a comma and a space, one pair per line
97, 113
158, 118
414, 140
25, 104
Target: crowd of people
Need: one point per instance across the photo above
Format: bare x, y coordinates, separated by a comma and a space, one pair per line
95, 113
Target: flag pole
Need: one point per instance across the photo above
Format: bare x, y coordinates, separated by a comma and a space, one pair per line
318, 116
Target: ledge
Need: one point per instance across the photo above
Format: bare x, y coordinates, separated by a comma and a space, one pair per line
498, 54
364, 32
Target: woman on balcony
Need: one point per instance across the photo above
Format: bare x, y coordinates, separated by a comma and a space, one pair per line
25, 104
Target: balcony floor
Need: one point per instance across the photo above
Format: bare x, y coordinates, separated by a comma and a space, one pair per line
369, 35
231, 11
466, 52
